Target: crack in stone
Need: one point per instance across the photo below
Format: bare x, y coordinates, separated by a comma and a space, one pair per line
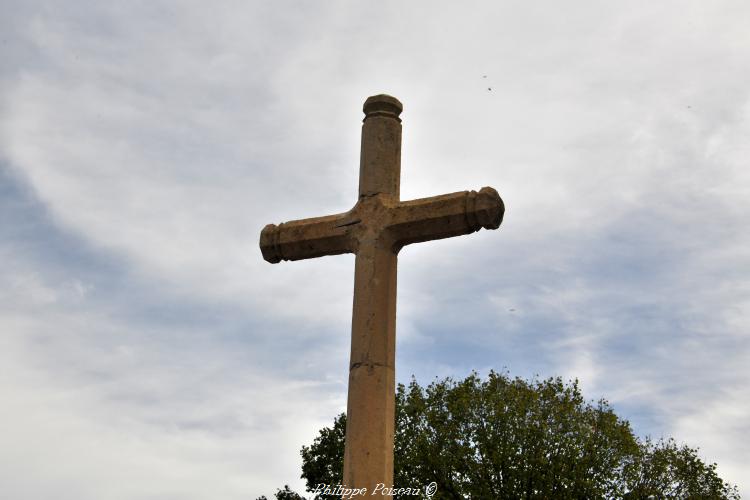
369, 365
350, 223
369, 195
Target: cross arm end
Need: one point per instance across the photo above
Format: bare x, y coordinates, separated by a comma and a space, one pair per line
306, 238
446, 216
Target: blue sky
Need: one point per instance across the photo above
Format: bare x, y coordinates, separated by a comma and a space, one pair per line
148, 351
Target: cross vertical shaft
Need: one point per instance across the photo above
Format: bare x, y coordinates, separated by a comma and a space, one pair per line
368, 455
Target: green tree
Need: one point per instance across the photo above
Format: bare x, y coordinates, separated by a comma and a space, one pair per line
511, 438
285, 494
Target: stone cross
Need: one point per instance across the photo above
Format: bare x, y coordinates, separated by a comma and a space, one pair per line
375, 230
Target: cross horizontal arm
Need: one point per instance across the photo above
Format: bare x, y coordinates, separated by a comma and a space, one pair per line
306, 238
445, 216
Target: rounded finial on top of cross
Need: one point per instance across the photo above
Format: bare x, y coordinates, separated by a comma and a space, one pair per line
382, 105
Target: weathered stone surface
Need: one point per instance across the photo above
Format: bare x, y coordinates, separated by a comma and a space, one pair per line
375, 229
379, 217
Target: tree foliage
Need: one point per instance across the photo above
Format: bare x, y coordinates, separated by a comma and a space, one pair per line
511, 438
285, 494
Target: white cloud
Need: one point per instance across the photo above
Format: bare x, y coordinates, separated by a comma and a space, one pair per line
159, 138
102, 408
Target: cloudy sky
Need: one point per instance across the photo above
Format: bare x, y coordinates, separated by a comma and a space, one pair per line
148, 352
